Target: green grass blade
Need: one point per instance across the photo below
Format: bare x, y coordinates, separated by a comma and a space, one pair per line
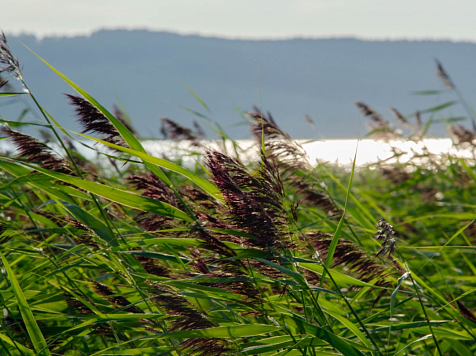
335, 238
202, 103
93, 223
224, 332
342, 345
128, 137
351, 326
394, 294
119, 196
36, 337
10, 94
413, 343
202, 183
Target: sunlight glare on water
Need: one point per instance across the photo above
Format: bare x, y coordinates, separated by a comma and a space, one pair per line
339, 152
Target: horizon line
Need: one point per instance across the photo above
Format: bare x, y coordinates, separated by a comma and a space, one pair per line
89, 33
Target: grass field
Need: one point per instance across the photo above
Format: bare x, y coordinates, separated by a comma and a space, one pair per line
273, 258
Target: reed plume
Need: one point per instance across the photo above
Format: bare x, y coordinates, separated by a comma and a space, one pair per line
34, 151
92, 120
288, 154
443, 75
153, 188
379, 126
461, 134
121, 117
4, 84
186, 317
9, 63
176, 132
349, 255
403, 120
253, 201
112, 297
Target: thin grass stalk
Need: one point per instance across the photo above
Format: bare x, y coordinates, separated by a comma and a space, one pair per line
27, 211
449, 83
426, 315
362, 325
335, 239
296, 343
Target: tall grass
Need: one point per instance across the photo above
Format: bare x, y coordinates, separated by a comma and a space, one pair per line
275, 257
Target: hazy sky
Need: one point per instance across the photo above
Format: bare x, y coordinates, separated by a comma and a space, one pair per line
381, 19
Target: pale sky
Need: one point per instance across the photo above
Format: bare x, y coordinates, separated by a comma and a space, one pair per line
370, 19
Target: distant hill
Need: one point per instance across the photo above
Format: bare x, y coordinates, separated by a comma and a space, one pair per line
147, 72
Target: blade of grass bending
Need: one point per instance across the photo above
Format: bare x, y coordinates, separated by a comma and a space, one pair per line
92, 222
145, 157
128, 137
394, 294
294, 275
119, 196
339, 277
36, 337
364, 220
339, 343
224, 332
412, 343
438, 107
22, 349
351, 326
11, 94
335, 238
447, 242
197, 97
362, 325
426, 315
392, 304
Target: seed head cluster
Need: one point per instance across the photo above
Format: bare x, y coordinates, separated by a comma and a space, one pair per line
385, 233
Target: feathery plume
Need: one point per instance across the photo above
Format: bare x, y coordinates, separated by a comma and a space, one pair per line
265, 123
253, 201
349, 255
9, 63
379, 124
461, 134
152, 267
153, 188
117, 299
279, 147
120, 116
441, 73
38, 152
403, 120
92, 120
188, 318
4, 83
309, 195
176, 132
465, 312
